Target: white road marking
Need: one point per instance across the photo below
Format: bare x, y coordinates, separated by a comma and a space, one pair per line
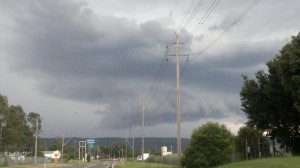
90, 165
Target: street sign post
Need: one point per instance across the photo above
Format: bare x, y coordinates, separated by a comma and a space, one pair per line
90, 144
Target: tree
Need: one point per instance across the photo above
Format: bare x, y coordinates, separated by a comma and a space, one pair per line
32, 117
211, 145
17, 133
15, 128
272, 101
255, 141
3, 109
56, 145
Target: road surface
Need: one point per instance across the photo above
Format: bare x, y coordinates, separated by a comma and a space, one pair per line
100, 164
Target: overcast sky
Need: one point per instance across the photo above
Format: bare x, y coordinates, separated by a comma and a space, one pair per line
86, 66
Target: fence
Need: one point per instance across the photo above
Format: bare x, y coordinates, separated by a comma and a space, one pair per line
164, 160
9, 160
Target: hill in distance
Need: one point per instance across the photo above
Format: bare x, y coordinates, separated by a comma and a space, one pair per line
151, 144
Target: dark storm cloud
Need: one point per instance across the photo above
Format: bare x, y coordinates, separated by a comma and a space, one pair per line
222, 70
75, 54
192, 110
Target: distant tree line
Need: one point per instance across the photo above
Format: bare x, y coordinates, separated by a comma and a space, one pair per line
17, 129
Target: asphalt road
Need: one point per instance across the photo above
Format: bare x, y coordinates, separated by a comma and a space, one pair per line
100, 164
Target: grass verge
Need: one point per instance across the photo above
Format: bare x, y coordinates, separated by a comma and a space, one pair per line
145, 165
48, 165
276, 162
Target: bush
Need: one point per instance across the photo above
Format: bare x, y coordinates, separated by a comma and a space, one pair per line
210, 145
88, 158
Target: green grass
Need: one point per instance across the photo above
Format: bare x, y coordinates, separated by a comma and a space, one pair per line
277, 162
145, 165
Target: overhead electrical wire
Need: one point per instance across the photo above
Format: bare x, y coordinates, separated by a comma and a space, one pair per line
179, 26
247, 10
164, 64
204, 18
161, 72
191, 17
179, 31
157, 80
201, 23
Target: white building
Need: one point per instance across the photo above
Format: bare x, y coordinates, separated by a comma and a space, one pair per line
164, 151
52, 154
146, 155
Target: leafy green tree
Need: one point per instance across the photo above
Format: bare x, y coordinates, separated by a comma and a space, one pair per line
15, 129
255, 140
32, 117
17, 133
272, 101
211, 145
69, 150
56, 145
3, 110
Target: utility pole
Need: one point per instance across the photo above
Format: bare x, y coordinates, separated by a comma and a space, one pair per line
126, 150
129, 145
143, 117
63, 144
178, 97
178, 100
62, 148
36, 137
133, 142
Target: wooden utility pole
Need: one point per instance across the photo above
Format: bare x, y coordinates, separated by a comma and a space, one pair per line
178, 100
143, 112
36, 138
62, 148
178, 97
133, 142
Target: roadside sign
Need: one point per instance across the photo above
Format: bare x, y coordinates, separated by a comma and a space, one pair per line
90, 143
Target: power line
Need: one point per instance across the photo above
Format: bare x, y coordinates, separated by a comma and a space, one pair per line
250, 7
158, 78
191, 17
196, 29
204, 18
164, 64
174, 36
202, 21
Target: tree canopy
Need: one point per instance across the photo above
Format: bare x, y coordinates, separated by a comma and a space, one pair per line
272, 100
210, 145
17, 128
